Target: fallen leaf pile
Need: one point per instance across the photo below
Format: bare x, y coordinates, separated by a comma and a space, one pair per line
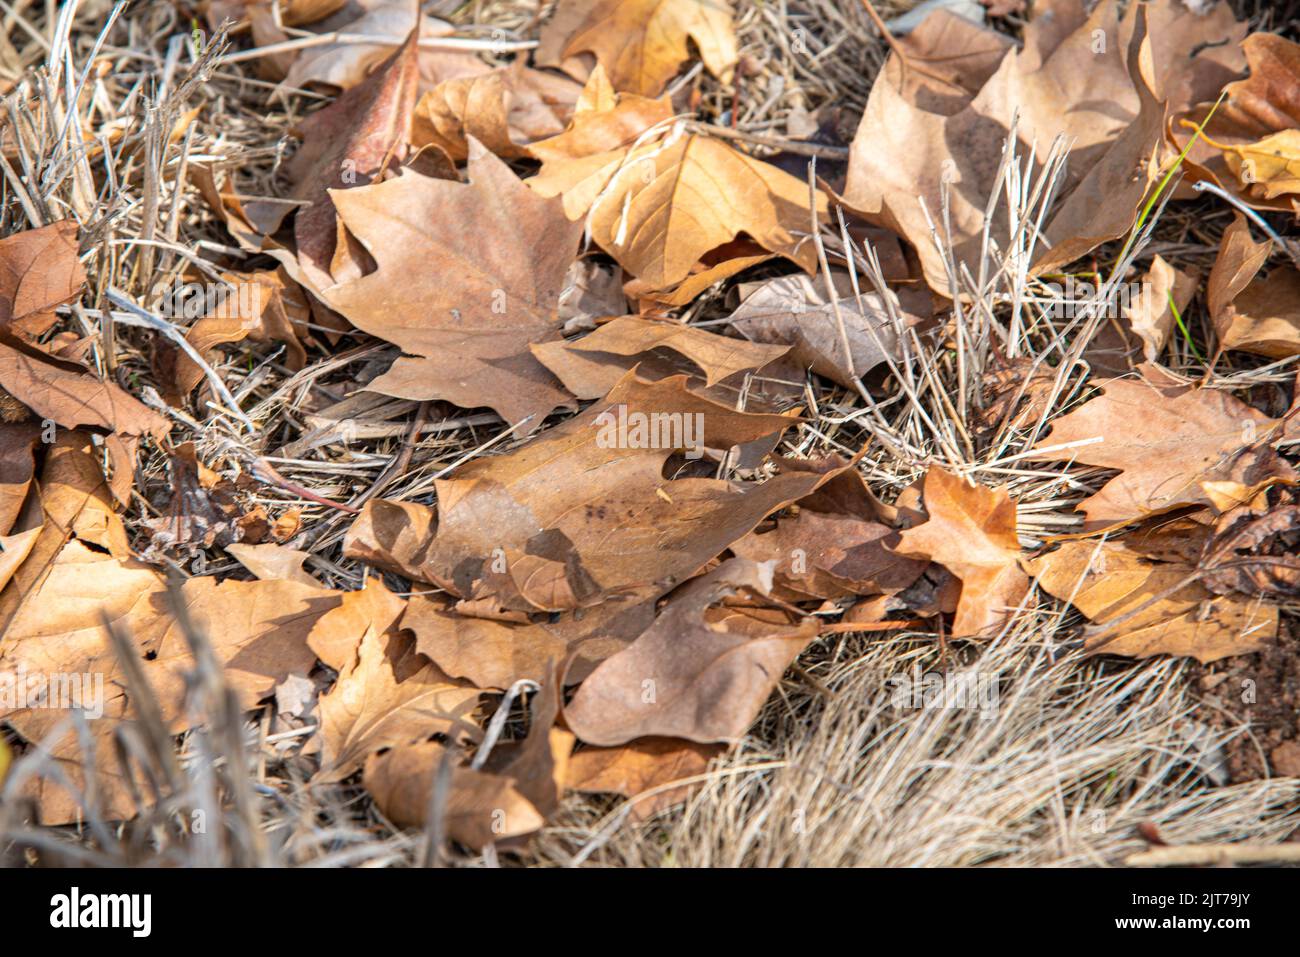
652, 530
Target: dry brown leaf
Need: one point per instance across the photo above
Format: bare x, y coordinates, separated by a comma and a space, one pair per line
518, 529
1265, 316
650, 764
504, 797
589, 367
388, 694
346, 145
257, 630
662, 206
1260, 316
495, 654
827, 555
464, 303
1151, 317
39, 270
1253, 109
641, 44
1193, 54
795, 311
1172, 444
504, 110
17, 469
61, 393
1108, 581
579, 162
687, 677
971, 531
271, 562
1065, 81
263, 306
479, 808
346, 65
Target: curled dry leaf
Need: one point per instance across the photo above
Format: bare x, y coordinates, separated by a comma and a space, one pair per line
479, 808
1253, 112
794, 311
387, 694
687, 676
641, 44
1152, 317
1261, 316
672, 202
263, 306
39, 271
1255, 556
1174, 446
1156, 607
468, 341
346, 145
659, 200
504, 110
646, 767
589, 367
390, 22
971, 531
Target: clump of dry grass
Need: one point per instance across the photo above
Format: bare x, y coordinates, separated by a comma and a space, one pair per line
1077, 753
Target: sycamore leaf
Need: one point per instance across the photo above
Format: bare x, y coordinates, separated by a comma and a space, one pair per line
642, 43
1154, 610
910, 144
589, 367
649, 764
794, 311
464, 303
387, 694
504, 110
663, 205
517, 529
346, 65
971, 531
1249, 314
39, 270
257, 630
1174, 445
688, 677
579, 162
345, 145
